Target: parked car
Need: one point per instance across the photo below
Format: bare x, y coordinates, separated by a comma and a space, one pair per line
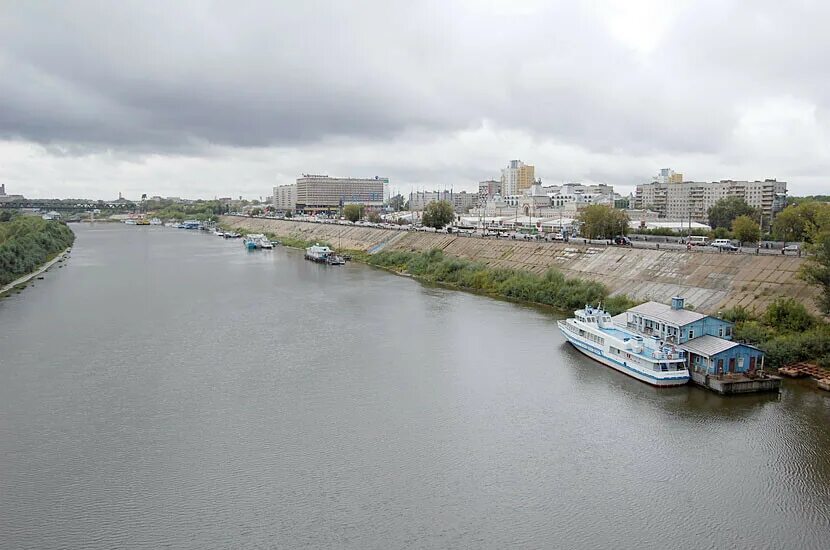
794, 248
622, 240
724, 244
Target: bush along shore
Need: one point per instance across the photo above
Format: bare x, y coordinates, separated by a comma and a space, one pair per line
786, 332
550, 289
27, 242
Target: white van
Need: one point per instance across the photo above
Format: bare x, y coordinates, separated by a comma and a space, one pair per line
698, 240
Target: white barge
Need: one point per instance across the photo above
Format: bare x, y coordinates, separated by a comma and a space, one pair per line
323, 254
592, 332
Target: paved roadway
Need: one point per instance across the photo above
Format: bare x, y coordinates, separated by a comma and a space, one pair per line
638, 241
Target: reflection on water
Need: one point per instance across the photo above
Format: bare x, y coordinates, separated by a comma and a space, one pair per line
170, 388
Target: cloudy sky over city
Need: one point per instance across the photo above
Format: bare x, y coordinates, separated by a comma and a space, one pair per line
199, 99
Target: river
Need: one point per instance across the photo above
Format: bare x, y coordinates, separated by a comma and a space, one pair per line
169, 388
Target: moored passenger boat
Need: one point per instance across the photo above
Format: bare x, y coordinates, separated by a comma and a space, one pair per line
319, 253
592, 332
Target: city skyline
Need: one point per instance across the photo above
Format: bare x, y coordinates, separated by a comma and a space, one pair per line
128, 99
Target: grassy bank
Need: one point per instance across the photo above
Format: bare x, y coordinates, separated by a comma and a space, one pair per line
551, 289
27, 242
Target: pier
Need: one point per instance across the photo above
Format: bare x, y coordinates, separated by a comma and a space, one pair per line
804, 369
735, 383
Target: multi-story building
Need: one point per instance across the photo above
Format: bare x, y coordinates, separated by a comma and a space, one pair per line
517, 177
599, 193
318, 193
488, 188
667, 175
285, 197
461, 201
692, 200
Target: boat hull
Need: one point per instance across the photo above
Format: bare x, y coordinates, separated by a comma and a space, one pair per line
596, 354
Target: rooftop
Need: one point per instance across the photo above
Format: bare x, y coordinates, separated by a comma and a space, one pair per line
708, 345
665, 313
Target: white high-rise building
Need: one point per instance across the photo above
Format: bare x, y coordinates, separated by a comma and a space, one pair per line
517, 177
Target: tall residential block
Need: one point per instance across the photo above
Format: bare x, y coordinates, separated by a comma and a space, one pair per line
461, 200
692, 199
488, 189
285, 197
317, 193
517, 177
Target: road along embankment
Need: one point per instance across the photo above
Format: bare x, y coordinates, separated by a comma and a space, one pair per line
709, 282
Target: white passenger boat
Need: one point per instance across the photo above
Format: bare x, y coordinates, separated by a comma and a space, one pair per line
265, 242
155, 221
318, 253
649, 360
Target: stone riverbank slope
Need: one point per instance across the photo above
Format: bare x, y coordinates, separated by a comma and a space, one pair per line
710, 282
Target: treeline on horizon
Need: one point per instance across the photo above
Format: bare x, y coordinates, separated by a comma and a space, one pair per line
27, 242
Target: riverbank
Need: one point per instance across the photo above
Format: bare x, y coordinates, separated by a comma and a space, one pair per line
26, 278
710, 282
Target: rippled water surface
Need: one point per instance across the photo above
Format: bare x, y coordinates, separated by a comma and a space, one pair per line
168, 388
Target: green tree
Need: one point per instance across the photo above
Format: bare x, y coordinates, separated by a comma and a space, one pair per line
256, 211
603, 222
397, 203
817, 268
438, 214
788, 315
800, 221
374, 217
788, 225
746, 230
723, 212
353, 212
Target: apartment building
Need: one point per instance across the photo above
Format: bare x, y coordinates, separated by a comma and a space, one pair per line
461, 201
320, 193
517, 177
285, 197
488, 189
691, 199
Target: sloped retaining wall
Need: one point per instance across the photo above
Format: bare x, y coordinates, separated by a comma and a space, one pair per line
709, 282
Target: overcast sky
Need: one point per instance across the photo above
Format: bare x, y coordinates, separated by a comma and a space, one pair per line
204, 99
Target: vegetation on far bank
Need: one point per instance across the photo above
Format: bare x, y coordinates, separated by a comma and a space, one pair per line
786, 332
552, 288
198, 210
27, 242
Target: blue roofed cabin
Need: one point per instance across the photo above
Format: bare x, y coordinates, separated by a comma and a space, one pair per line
706, 339
675, 324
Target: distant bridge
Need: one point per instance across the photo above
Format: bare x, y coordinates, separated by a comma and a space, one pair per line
65, 205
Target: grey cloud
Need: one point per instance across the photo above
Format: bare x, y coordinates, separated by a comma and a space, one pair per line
186, 77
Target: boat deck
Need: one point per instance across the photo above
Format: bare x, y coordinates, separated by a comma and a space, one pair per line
648, 351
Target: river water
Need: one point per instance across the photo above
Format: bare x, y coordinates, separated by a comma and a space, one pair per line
169, 388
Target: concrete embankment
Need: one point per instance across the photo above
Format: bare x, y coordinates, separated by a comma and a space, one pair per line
709, 282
